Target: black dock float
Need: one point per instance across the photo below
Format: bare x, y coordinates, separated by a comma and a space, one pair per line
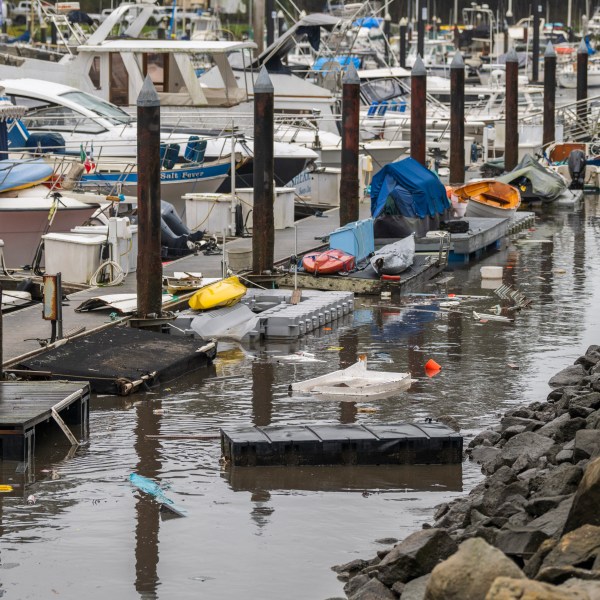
120, 360
26, 406
395, 444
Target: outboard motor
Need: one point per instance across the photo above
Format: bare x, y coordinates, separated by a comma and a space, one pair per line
174, 234
577, 164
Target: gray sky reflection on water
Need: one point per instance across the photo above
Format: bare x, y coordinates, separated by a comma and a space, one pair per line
273, 533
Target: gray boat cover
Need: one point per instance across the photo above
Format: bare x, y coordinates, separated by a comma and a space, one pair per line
534, 180
394, 258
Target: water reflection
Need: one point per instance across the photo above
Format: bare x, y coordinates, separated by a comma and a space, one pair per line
415, 478
262, 392
261, 511
147, 510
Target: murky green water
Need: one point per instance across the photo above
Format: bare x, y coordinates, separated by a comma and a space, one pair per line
274, 533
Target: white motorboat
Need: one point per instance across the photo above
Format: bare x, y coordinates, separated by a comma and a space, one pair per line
355, 381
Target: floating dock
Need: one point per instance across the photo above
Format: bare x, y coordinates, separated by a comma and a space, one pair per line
367, 282
26, 408
484, 234
120, 360
296, 445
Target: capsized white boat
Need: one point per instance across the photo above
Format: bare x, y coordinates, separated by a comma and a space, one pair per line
356, 380
394, 258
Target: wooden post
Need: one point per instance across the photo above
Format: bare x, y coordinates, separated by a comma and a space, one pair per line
350, 139
258, 24
149, 264
549, 94
535, 65
263, 228
43, 32
456, 36
1, 336
421, 20
270, 15
387, 28
53, 34
511, 117
418, 110
457, 119
582, 82
403, 27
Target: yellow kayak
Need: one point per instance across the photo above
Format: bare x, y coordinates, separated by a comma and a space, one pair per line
221, 293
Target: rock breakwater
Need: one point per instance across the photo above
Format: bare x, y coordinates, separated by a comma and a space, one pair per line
530, 530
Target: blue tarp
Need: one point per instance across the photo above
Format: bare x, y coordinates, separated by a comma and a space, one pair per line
415, 190
370, 22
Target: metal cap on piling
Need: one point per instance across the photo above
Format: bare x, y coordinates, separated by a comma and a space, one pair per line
418, 69
582, 48
263, 84
148, 95
550, 52
351, 75
457, 61
511, 55
403, 22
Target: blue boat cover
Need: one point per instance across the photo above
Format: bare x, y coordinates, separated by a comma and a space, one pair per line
407, 188
370, 22
18, 174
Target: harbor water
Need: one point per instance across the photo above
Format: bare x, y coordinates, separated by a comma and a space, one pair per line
274, 533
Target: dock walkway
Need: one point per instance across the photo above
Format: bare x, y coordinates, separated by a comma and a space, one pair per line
23, 328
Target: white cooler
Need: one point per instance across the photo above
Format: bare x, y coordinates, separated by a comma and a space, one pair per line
127, 247
209, 212
283, 206
74, 255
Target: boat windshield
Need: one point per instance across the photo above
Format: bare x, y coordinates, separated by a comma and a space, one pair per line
104, 109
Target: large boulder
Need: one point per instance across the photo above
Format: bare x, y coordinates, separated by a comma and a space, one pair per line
552, 523
563, 428
562, 480
527, 448
569, 376
415, 589
373, 590
591, 400
470, 572
587, 499
579, 548
507, 588
587, 444
415, 556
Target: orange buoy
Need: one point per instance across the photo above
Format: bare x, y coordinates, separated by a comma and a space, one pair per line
431, 365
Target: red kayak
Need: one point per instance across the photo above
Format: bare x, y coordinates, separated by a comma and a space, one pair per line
330, 261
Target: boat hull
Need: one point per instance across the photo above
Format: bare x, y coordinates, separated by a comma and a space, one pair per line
480, 209
21, 229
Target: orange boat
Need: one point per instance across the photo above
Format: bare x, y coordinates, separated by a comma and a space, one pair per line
489, 198
327, 262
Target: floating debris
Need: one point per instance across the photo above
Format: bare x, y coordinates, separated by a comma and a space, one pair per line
153, 489
483, 317
508, 292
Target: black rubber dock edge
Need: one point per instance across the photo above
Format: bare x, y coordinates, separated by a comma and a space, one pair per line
121, 359
394, 444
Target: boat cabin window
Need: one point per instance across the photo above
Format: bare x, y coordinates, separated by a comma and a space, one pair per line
381, 89
157, 66
119, 80
103, 109
94, 72
60, 118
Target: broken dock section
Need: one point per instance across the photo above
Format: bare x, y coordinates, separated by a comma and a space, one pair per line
294, 445
28, 407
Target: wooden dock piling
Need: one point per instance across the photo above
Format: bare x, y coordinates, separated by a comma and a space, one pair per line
403, 28
549, 94
270, 15
511, 143
149, 264
582, 82
535, 60
350, 146
387, 27
418, 110
457, 119
421, 20
1, 337
263, 229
